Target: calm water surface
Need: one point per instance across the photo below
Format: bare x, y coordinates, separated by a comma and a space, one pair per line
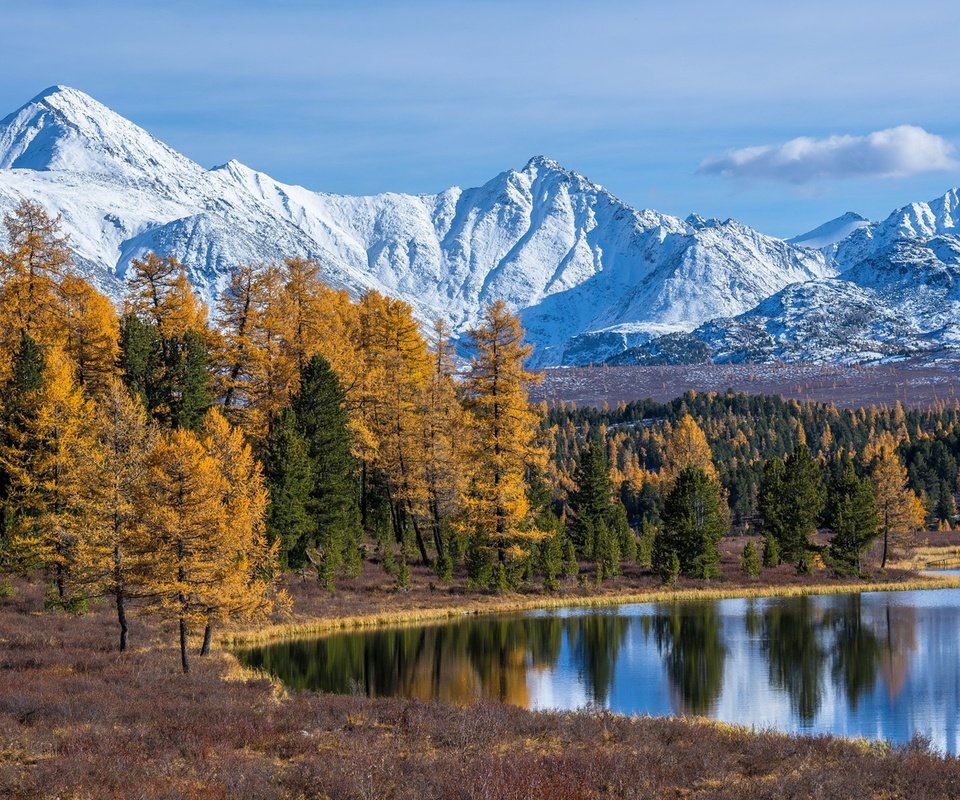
881, 665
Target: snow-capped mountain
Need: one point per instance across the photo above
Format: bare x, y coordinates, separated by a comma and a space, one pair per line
583, 267
897, 295
830, 232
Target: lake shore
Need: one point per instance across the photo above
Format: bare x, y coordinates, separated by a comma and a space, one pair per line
80, 720
408, 608
373, 599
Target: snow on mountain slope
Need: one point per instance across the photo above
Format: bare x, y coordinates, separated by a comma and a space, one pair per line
590, 275
898, 295
830, 232
693, 272
542, 238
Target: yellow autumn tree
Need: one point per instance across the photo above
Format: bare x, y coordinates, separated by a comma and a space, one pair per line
500, 438
899, 509
31, 266
158, 290
249, 561
91, 332
442, 420
47, 462
112, 544
399, 350
183, 517
248, 349
685, 446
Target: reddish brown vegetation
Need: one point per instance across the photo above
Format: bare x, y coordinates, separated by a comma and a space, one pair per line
79, 720
846, 387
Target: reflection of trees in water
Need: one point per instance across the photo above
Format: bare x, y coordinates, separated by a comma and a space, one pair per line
860, 646
689, 637
794, 654
595, 641
855, 655
469, 660
458, 663
897, 630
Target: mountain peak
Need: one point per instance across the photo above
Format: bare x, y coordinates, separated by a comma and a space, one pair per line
65, 129
544, 162
830, 232
52, 90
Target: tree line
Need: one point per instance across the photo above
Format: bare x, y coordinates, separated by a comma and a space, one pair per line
149, 453
185, 458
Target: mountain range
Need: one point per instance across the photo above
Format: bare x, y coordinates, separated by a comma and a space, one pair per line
593, 278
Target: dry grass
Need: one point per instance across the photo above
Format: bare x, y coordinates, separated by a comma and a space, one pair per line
302, 628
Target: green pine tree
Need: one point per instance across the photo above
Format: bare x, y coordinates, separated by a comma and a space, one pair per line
322, 422
188, 381
693, 524
289, 476
571, 567
771, 551
141, 362
19, 405
770, 500
853, 517
590, 502
624, 533
750, 561
801, 504
551, 560
645, 545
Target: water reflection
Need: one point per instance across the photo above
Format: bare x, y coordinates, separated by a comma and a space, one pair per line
688, 636
877, 665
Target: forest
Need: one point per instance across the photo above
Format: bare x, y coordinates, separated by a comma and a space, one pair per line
183, 460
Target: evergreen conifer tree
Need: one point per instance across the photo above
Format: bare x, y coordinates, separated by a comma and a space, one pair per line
20, 401
853, 518
322, 422
801, 504
289, 476
750, 561
693, 524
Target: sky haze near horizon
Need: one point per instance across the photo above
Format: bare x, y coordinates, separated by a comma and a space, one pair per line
782, 117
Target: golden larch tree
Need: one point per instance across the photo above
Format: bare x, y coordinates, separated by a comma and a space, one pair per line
49, 467
500, 435
31, 266
899, 509
442, 420
183, 515
91, 333
158, 290
685, 446
249, 561
112, 544
400, 351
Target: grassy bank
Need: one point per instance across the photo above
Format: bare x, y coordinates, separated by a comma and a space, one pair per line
373, 599
407, 611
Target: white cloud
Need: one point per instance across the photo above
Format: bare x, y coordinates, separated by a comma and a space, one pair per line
892, 153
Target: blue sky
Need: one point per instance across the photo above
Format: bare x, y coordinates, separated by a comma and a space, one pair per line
647, 98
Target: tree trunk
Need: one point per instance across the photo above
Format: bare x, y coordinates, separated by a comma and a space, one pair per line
122, 619
883, 560
207, 636
421, 545
61, 584
437, 530
121, 599
184, 655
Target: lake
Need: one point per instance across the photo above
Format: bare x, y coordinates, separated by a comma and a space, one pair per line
881, 665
